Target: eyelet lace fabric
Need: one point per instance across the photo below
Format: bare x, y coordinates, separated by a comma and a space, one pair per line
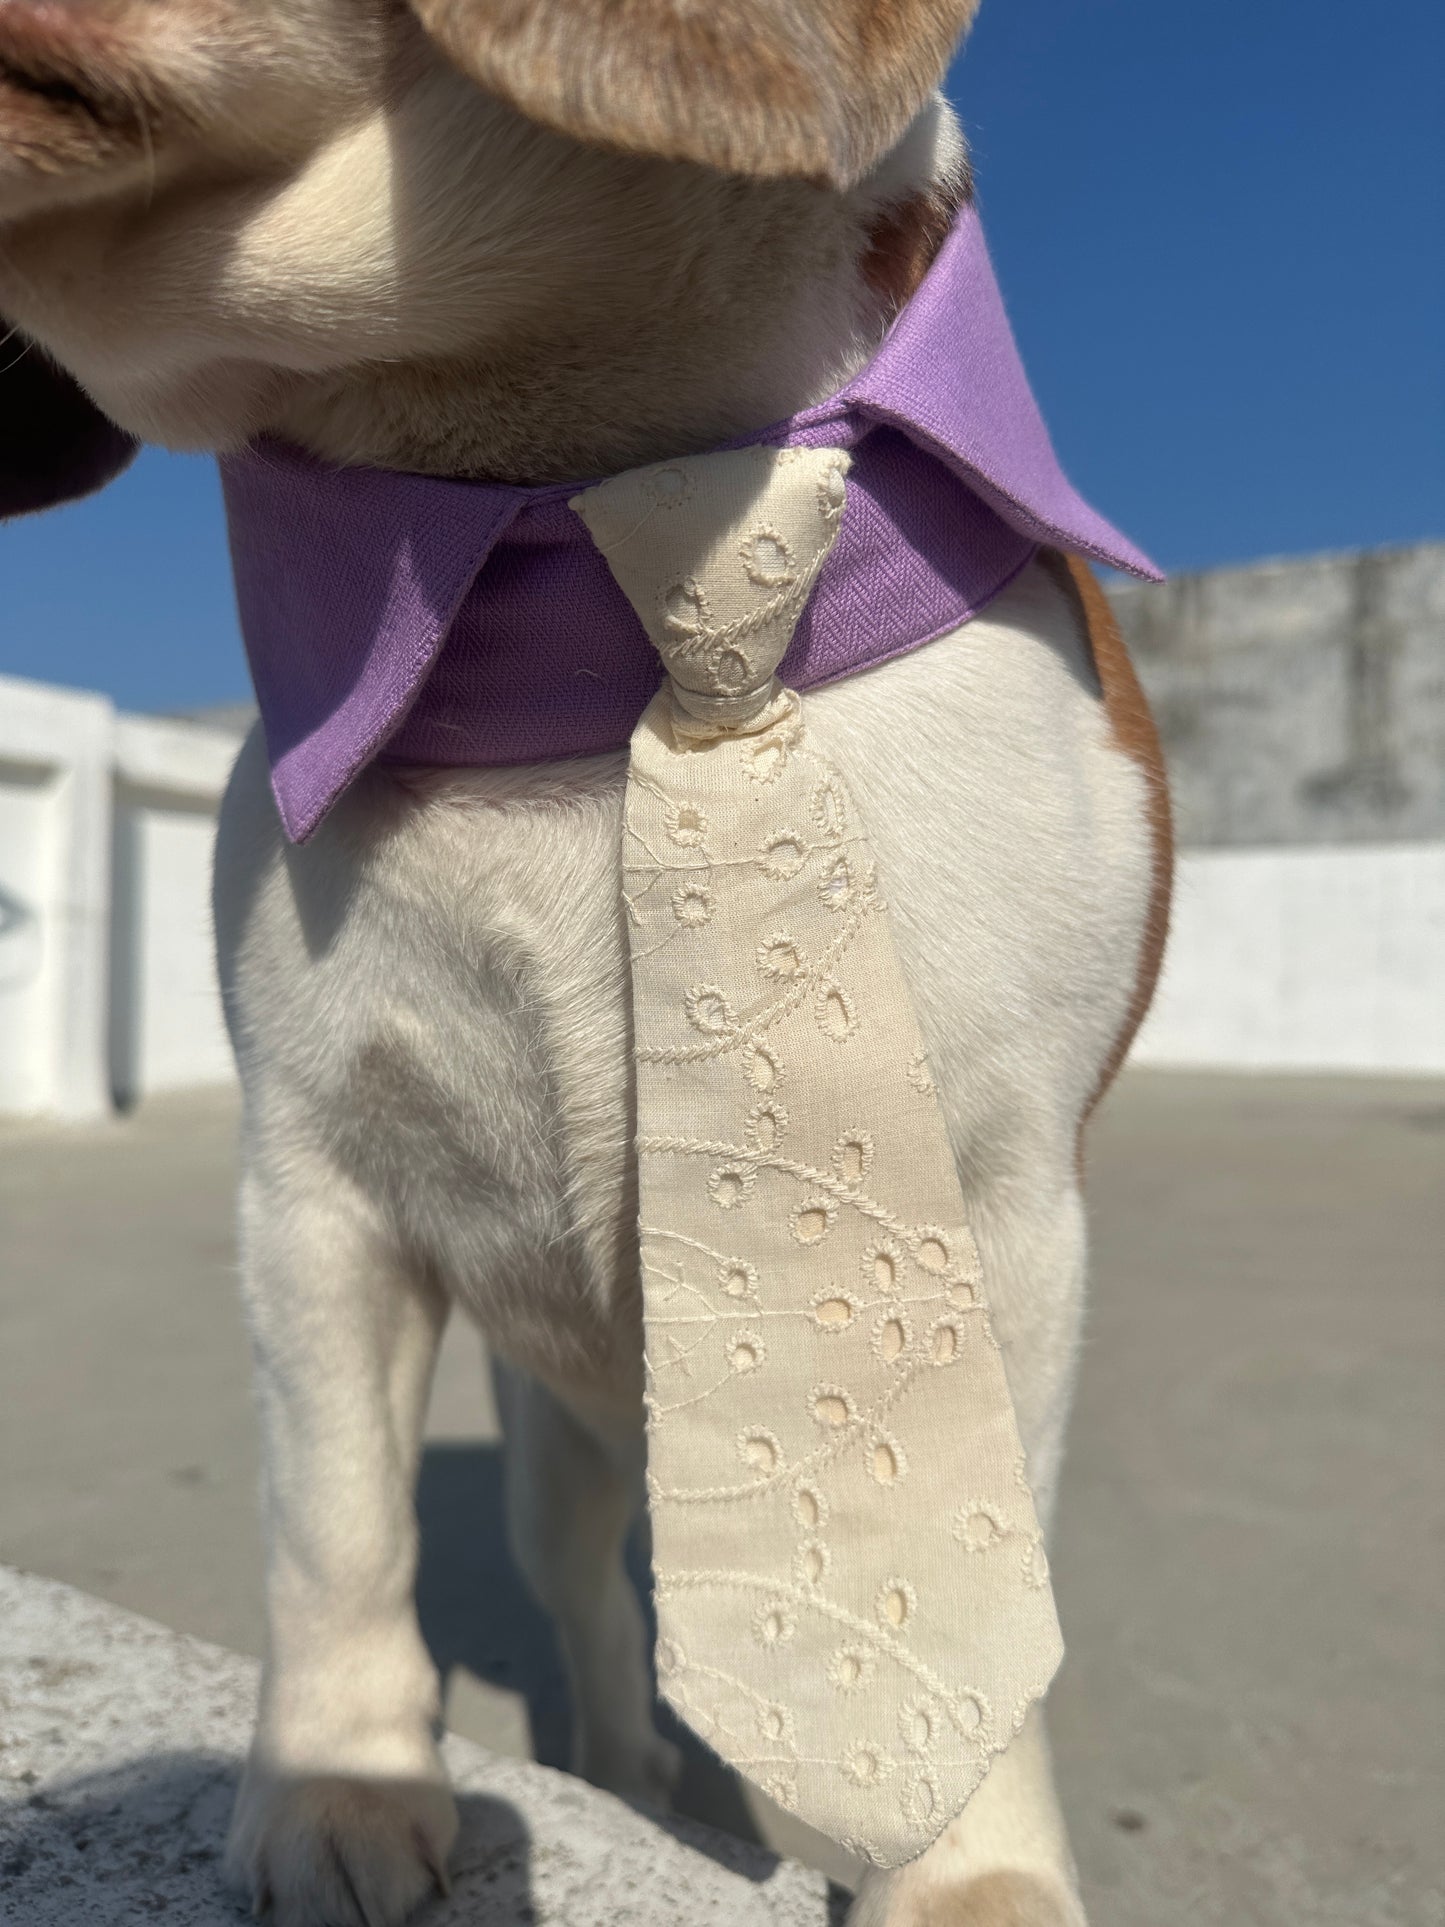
853, 1600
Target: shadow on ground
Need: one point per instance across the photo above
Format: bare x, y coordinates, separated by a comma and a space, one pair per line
476, 1612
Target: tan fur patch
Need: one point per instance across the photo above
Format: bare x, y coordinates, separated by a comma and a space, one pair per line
59, 112
814, 91
1003, 1899
904, 238
1136, 736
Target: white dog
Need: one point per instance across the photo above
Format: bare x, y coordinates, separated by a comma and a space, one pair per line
477, 238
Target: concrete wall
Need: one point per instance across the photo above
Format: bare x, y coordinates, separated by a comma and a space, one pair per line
107, 985
1300, 701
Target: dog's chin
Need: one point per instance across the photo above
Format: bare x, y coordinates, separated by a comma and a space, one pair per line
40, 175
28, 196
210, 410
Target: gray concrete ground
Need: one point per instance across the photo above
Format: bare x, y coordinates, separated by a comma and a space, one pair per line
1249, 1565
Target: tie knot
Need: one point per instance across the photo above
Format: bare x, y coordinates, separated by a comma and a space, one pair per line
718, 555
699, 719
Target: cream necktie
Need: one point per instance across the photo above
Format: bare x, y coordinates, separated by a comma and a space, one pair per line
852, 1596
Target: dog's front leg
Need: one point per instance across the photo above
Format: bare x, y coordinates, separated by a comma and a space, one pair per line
573, 1489
344, 1814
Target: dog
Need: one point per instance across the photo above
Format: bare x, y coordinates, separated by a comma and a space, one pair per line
528, 243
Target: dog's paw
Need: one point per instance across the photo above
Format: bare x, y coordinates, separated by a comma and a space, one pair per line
337, 1852
661, 1769
999, 1899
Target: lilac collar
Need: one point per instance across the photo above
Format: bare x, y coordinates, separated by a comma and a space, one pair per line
473, 623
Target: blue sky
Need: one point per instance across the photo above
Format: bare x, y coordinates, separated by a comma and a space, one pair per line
1218, 229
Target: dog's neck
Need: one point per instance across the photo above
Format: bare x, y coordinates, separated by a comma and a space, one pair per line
730, 306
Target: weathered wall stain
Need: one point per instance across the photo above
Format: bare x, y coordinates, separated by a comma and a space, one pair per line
1300, 701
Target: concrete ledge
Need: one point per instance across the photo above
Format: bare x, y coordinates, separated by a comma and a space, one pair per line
120, 1744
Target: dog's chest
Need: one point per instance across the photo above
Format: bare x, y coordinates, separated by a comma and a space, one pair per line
436, 987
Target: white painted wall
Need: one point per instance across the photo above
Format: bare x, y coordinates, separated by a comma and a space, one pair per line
1305, 958
27, 808
107, 985
165, 1015
54, 898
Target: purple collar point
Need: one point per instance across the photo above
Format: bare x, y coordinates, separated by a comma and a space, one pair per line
468, 623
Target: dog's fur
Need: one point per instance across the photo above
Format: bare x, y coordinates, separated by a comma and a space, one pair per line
659, 227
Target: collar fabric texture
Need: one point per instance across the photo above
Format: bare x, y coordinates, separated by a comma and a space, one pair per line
471, 623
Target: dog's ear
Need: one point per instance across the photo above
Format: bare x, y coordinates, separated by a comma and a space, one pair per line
819, 89
54, 442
